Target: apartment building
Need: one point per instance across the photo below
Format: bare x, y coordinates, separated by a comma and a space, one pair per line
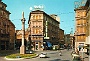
80, 27
43, 28
12, 35
67, 38
7, 29
88, 26
19, 38
88, 21
61, 36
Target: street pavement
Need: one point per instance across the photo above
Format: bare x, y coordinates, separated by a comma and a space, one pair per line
51, 56
84, 56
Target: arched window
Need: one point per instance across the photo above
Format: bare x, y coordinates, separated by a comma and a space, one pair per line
39, 16
36, 16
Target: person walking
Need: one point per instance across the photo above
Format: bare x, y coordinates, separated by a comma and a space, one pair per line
60, 53
77, 52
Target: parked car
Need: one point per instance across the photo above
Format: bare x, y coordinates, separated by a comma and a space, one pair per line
73, 52
75, 55
77, 59
30, 51
43, 55
61, 48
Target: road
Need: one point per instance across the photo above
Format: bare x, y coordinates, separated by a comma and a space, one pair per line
52, 56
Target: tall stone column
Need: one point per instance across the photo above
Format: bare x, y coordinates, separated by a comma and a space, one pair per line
22, 48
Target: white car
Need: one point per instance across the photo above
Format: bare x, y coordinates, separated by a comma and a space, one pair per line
31, 52
43, 55
75, 55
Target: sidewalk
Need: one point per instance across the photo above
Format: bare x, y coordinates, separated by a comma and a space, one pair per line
84, 56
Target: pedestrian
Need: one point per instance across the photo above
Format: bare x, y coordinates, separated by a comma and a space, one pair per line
77, 52
60, 53
68, 48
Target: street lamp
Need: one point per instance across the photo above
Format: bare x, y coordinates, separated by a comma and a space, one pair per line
76, 48
22, 48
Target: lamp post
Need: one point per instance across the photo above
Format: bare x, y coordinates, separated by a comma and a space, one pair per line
22, 48
71, 34
76, 49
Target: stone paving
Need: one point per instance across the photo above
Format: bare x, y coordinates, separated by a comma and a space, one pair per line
64, 56
84, 56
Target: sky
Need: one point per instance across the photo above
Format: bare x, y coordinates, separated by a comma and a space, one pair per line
63, 8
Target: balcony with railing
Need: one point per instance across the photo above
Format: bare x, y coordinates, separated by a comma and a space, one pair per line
80, 33
78, 25
37, 34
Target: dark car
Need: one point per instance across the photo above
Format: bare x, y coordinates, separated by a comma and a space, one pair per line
77, 59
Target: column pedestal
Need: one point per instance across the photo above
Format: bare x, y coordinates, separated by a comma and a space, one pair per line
22, 50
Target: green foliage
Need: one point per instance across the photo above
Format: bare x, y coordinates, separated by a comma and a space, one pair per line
21, 56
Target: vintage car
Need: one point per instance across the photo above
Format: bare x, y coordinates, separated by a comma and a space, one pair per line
43, 55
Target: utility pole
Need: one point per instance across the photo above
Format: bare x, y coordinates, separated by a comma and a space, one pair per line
22, 48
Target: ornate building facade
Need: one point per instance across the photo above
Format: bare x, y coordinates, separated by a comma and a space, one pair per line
88, 27
61, 35
7, 29
19, 38
80, 27
43, 28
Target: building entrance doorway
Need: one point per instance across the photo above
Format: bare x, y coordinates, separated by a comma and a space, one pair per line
2, 47
36, 46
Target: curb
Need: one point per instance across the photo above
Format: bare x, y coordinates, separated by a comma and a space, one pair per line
13, 59
19, 58
32, 57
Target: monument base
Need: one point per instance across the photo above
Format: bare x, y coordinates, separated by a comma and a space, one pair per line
22, 50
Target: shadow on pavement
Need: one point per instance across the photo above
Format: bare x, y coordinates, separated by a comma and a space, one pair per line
65, 60
45, 57
56, 60
86, 57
